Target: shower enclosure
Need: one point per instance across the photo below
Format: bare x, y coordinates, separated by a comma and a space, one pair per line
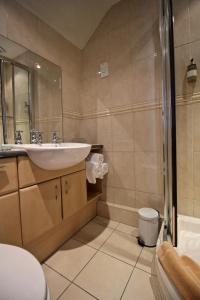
181, 121
169, 121
180, 36
15, 98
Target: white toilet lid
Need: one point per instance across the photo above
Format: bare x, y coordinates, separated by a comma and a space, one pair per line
21, 275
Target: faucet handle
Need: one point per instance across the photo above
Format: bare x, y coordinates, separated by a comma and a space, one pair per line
34, 136
18, 137
39, 137
54, 137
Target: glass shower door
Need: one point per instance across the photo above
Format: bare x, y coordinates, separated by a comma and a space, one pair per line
169, 121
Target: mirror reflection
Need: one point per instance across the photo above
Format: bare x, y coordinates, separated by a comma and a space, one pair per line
30, 95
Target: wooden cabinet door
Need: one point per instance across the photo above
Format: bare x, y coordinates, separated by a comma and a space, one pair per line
74, 195
8, 175
40, 209
30, 174
10, 227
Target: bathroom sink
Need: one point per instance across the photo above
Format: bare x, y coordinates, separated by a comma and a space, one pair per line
55, 156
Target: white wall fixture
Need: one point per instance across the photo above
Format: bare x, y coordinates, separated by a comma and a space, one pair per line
104, 70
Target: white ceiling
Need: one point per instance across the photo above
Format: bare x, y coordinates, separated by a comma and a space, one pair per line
76, 20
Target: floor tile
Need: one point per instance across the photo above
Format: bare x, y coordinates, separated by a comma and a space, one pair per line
71, 258
75, 293
123, 246
105, 222
93, 234
56, 283
139, 287
104, 277
128, 229
146, 260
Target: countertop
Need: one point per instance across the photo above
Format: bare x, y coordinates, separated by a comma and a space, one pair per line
14, 152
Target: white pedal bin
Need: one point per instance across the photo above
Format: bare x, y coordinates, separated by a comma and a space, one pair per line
148, 226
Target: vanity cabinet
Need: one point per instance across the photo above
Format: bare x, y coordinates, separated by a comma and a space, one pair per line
40, 209
30, 174
8, 175
74, 194
10, 227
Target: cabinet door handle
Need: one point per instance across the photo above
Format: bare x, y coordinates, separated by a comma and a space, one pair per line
56, 191
66, 187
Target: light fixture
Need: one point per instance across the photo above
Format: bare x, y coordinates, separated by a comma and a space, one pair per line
37, 66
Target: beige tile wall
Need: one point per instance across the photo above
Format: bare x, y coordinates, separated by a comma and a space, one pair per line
19, 25
187, 46
122, 110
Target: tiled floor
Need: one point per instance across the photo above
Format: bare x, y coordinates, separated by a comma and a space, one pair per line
102, 261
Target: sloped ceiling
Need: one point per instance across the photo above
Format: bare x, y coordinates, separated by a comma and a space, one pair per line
76, 20
12, 50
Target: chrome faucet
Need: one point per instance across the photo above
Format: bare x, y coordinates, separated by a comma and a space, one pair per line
18, 137
35, 136
55, 139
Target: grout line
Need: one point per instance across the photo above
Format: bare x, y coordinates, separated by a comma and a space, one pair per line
108, 254
58, 272
99, 249
146, 271
73, 283
126, 233
104, 225
96, 251
127, 284
64, 291
86, 244
66, 241
106, 239
131, 274
85, 265
85, 290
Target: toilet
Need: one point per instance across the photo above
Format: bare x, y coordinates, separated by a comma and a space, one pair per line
21, 275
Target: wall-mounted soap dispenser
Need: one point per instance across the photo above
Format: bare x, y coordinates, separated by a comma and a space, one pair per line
192, 71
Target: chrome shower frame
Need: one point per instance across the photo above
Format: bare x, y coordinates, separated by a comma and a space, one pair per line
169, 121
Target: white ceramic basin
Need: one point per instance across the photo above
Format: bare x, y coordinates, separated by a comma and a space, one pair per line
55, 156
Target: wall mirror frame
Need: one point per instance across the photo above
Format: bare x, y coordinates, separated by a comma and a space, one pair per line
30, 94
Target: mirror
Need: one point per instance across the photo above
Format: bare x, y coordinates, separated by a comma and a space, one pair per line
30, 94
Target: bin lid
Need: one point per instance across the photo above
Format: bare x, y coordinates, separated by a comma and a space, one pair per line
148, 213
